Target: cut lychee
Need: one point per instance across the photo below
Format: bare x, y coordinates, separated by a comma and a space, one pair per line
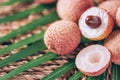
72, 9
62, 37
111, 7
112, 43
118, 17
45, 1
95, 24
93, 60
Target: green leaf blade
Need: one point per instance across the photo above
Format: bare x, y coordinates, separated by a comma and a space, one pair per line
29, 65
26, 41
34, 48
115, 72
11, 2
23, 14
76, 76
59, 71
43, 20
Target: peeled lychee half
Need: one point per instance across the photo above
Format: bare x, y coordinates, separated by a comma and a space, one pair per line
93, 60
118, 17
112, 43
62, 37
111, 7
45, 1
72, 9
95, 24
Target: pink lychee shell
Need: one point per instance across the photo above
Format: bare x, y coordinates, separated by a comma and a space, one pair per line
111, 7
62, 37
112, 43
118, 17
72, 9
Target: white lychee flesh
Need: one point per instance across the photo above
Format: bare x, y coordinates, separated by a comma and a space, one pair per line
93, 60
96, 33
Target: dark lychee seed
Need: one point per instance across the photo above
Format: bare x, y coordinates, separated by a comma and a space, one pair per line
93, 21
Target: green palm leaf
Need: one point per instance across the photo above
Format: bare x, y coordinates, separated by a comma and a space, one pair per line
26, 41
76, 76
34, 48
59, 71
23, 14
115, 72
10, 2
29, 65
43, 20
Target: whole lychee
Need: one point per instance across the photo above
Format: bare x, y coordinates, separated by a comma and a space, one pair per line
118, 17
95, 23
111, 7
45, 1
72, 9
62, 37
112, 43
93, 60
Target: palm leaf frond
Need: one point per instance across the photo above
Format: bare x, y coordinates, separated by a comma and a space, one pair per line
26, 41
29, 65
59, 71
34, 48
43, 20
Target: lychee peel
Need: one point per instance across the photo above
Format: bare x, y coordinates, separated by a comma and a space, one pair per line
62, 37
118, 17
93, 60
111, 7
112, 43
72, 9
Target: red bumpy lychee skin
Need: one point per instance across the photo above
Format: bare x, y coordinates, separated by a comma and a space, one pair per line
118, 17
111, 7
112, 43
45, 1
93, 60
72, 9
62, 37
95, 24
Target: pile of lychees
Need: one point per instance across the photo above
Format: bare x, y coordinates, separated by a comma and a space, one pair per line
82, 18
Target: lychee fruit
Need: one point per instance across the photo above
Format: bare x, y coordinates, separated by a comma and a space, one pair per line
72, 9
93, 60
111, 7
95, 24
118, 17
45, 1
62, 37
112, 43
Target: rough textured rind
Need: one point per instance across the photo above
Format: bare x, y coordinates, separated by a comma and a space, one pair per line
112, 43
111, 7
45, 1
118, 17
72, 9
62, 37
